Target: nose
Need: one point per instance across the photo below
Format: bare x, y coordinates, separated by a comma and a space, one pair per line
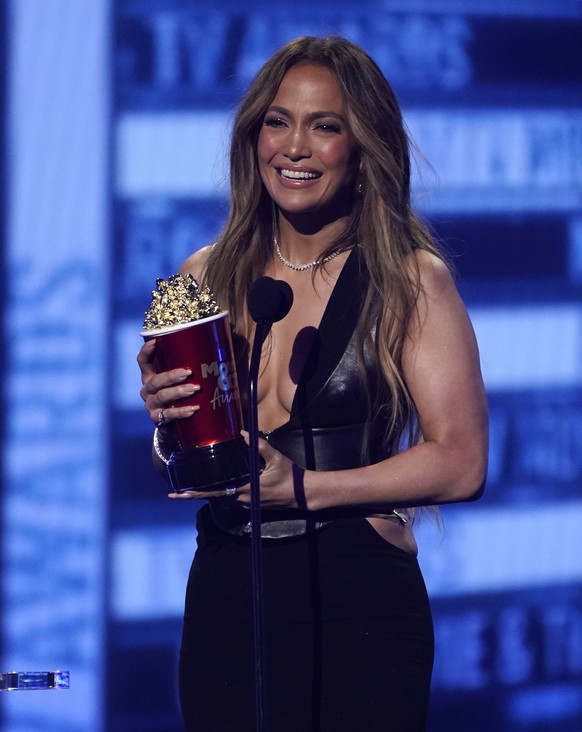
297, 145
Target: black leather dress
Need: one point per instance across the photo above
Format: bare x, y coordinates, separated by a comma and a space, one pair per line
348, 626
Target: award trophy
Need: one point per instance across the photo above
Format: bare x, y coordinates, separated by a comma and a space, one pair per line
192, 332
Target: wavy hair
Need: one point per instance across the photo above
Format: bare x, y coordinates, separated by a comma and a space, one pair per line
381, 223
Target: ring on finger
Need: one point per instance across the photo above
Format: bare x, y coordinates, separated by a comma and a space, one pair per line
230, 491
161, 418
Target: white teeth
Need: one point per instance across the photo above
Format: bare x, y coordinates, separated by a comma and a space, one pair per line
298, 174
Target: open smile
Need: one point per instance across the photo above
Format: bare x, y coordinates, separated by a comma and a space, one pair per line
299, 175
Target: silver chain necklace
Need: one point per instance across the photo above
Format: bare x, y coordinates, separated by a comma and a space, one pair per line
307, 265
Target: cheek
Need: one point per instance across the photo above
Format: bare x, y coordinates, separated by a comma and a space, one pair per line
338, 155
343, 162
265, 150
262, 157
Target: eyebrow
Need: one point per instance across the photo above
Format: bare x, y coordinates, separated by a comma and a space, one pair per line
312, 115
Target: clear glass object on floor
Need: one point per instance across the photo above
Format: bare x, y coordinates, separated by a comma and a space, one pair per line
20, 680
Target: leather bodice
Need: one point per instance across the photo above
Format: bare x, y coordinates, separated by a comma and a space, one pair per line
331, 392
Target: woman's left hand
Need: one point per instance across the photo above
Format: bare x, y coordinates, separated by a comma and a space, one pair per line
281, 482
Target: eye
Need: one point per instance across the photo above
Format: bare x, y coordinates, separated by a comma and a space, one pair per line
274, 122
330, 128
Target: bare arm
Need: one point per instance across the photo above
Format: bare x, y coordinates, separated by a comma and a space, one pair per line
441, 367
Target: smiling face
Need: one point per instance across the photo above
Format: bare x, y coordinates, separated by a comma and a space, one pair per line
307, 156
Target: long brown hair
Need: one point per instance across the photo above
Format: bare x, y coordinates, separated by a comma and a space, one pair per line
381, 223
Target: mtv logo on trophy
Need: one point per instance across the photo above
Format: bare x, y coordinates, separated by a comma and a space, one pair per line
192, 332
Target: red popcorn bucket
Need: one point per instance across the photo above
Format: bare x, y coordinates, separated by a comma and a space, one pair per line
213, 453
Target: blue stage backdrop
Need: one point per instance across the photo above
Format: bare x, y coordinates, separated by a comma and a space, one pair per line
116, 147
54, 498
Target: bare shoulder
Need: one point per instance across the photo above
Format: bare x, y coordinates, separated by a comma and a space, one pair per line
438, 303
434, 274
196, 263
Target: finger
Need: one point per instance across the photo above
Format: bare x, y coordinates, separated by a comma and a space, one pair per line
262, 442
145, 352
163, 379
264, 446
148, 346
144, 358
243, 495
160, 391
191, 495
201, 495
172, 413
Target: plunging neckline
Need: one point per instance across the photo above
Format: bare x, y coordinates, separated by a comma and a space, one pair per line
333, 333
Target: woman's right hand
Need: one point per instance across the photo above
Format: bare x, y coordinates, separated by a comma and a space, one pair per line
159, 391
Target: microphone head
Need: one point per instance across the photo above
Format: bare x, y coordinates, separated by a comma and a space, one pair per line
269, 300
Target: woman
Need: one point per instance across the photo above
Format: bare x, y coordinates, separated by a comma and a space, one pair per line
370, 401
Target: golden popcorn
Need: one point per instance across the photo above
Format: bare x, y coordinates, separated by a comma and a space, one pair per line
179, 300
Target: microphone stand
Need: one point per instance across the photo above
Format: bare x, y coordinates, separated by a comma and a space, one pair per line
261, 331
268, 302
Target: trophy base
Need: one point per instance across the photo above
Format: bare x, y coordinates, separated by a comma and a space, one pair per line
210, 467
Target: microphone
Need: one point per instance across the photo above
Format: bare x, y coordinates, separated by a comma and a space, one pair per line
268, 301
